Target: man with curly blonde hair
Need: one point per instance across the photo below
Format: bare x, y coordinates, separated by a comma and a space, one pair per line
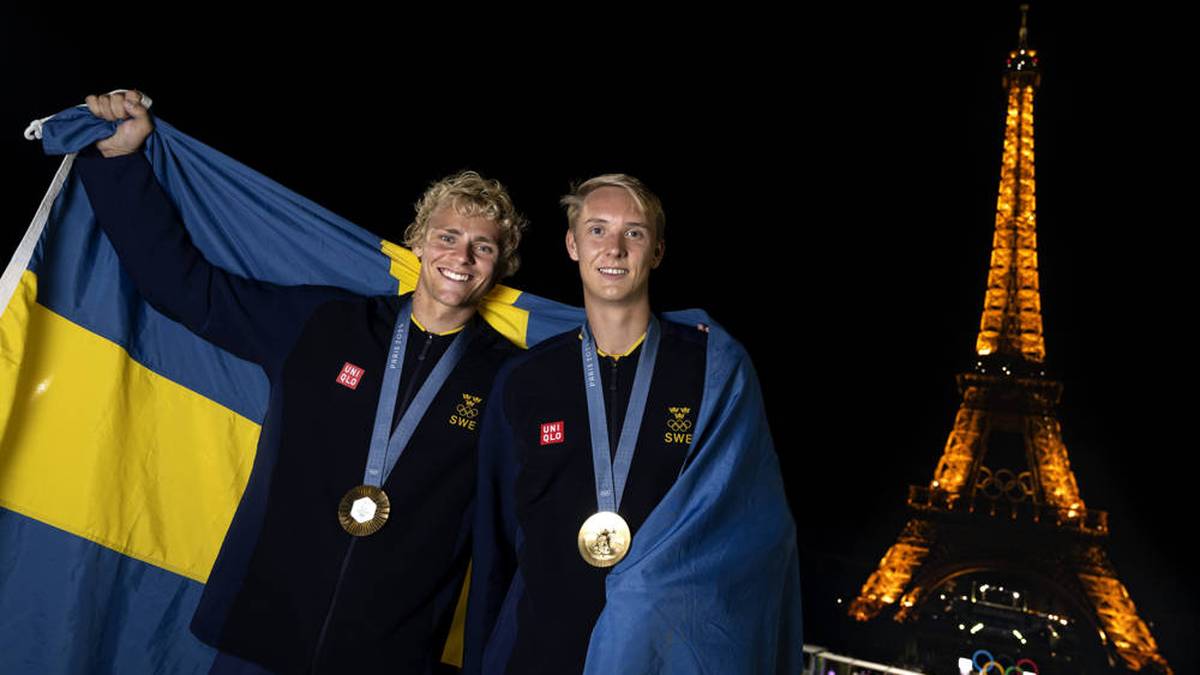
334, 561
472, 195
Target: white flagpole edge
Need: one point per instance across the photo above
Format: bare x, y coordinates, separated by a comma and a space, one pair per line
20, 260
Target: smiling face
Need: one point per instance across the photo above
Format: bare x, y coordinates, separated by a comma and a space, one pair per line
458, 258
615, 246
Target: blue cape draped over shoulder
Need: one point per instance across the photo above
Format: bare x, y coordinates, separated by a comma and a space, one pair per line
711, 583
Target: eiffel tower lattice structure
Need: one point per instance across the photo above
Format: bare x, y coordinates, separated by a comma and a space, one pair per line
1003, 498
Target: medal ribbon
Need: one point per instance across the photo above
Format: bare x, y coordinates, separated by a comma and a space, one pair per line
386, 448
611, 473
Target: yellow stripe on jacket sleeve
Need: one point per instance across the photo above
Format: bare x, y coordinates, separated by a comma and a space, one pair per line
98, 445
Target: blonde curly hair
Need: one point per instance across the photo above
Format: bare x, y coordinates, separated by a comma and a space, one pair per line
473, 195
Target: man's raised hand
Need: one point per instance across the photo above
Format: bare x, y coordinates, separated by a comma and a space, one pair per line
132, 132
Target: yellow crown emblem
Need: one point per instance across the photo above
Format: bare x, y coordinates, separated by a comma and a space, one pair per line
467, 408
677, 421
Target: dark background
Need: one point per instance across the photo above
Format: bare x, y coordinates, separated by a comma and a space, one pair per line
829, 180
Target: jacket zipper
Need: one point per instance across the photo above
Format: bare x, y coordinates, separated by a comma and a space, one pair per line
337, 587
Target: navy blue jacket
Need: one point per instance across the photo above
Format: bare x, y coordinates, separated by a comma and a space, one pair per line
291, 590
534, 600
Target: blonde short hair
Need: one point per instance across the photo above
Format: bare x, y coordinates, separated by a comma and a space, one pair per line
472, 195
646, 200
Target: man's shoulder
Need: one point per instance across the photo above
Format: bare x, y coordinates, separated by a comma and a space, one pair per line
563, 349
490, 345
311, 302
333, 306
555, 344
684, 335
532, 367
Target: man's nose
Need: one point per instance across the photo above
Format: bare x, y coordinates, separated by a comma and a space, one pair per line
616, 245
465, 252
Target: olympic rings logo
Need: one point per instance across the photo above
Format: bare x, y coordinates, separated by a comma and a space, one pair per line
1005, 483
677, 419
467, 408
991, 665
680, 426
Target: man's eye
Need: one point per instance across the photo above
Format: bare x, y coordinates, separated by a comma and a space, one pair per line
449, 239
634, 234
596, 229
484, 249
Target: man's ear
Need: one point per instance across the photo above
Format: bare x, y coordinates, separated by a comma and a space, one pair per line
572, 249
660, 249
417, 250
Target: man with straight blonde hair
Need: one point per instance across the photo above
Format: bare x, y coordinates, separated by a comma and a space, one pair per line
645, 200
588, 431
334, 561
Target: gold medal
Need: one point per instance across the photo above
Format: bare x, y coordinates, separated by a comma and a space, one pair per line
364, 510
604, 539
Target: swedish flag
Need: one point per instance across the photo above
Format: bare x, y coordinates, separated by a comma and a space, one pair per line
126, 441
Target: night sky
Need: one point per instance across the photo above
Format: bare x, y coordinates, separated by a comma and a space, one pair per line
829, 180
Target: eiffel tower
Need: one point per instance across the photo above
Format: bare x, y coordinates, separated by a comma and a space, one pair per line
1003, 500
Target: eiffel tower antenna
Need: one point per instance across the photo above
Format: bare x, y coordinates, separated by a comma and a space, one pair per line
1023, 35
1004, 484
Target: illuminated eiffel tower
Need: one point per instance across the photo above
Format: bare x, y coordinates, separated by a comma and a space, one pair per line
1004, 503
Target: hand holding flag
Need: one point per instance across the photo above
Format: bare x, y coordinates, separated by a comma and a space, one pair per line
122, 106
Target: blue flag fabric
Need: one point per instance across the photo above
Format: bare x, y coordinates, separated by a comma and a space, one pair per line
126, 442
712, 581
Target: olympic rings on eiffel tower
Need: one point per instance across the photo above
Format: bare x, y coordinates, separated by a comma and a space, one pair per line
1014, 669
1004, 483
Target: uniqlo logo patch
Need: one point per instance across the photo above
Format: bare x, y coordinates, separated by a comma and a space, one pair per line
350, 376
552, 432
